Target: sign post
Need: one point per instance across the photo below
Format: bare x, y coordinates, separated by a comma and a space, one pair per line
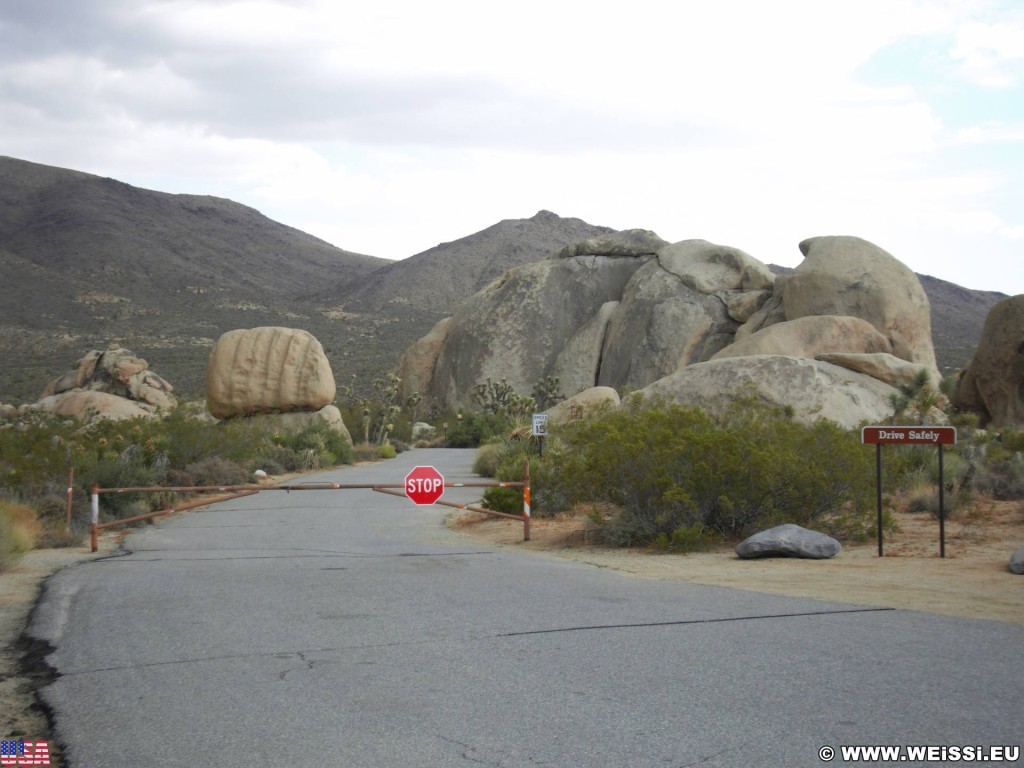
921, 435
540, 430
424, 485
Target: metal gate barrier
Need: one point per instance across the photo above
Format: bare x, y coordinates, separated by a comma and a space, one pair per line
228, 492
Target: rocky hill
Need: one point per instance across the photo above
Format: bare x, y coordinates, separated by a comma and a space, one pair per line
87, 261
436, 281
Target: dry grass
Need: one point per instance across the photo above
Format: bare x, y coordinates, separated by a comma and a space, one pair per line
19, 531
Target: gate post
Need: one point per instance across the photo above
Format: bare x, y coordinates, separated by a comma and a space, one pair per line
94, 531
526, 501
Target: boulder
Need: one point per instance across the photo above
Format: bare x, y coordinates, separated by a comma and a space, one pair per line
809, 337
630, 243
661, 325
850, 276
267, 370
741, 305
878, 365
993, 383
788, 541
709, 268
147, 387
416, 367
578, 364
1017, 562
115, 371
89, 405
627, 310
515, 328
813, 390
586, 403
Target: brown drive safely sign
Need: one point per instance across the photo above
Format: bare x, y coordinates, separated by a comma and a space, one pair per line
922, 435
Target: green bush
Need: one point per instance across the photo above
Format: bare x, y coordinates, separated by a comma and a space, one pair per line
676, 475
475, 428
1002, 477
549, 487
218, 471
329, 446
507, 500
487, 458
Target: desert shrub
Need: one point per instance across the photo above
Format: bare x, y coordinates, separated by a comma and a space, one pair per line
688, 538
923, 497
507, 500
19, 529
179, 478
475, 428
51, 510
669, 468
218, 471
1012, 441
506, 461
58, 538
330, 446
487, 458
926, 499
110, 472
364, 451
387, 451
277, 459
1002, 477
906, 466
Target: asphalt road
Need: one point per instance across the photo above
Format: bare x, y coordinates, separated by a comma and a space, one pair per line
351, 628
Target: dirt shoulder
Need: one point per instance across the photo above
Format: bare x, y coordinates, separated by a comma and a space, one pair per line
20, 715
972, 581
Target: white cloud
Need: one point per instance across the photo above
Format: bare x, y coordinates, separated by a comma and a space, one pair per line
991, 54
386, 128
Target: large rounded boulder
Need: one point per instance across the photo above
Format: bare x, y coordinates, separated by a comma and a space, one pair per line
993, 383
660, 325
811, 389
267, 370
846, 275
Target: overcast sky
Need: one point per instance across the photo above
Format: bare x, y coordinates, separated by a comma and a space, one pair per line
388, 127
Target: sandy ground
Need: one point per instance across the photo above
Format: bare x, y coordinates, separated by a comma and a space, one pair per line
973, 580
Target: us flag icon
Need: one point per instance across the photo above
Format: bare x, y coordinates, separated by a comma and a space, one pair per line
21, 752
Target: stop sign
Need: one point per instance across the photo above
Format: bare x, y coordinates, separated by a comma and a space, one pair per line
424, 485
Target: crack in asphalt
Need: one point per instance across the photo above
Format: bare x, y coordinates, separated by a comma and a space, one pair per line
466, 749
316, 553
302, 657
301, 654
683, 622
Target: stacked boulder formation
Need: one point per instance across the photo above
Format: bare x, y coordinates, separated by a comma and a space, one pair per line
108, 384
274, 374
691, 322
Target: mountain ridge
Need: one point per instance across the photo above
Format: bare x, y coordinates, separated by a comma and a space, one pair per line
88, 261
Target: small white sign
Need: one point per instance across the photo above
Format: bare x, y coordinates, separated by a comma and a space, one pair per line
540, 425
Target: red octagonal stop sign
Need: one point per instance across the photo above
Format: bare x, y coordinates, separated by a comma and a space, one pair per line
424, 485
